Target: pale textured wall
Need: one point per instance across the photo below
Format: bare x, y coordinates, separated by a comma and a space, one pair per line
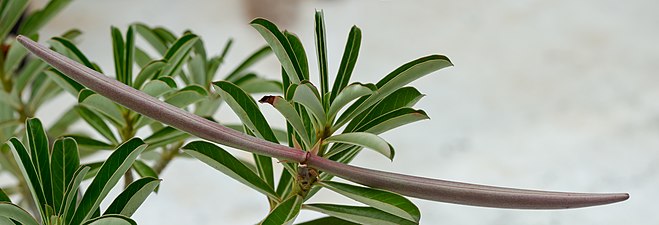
558, 95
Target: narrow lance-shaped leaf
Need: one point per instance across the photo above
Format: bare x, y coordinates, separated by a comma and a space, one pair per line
14, 56
392, 120
300, 54
151, 38
129, 57
12, 12
288, 111
144, 170
321, 51
107, 177
281, 47
130, 199
148, 72
358, 214
425, 188
177, 54
102, 105
328, 220
111, 220
307, 95
363, 139
403, 97
249, 61
97, 123
39, 18
69, 204
348, 94
3, 196
64, 162
398, 78
285, 212
119, 52
348, 61
38, 141
11, 211
249, 113
382, 200
221, 160
29, 172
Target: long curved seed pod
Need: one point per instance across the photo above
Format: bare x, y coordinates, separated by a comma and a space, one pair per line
418, 187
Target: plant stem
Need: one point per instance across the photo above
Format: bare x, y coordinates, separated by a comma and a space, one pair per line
167, 156
419, 187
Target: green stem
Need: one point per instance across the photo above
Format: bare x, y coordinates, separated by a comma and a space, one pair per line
167, 156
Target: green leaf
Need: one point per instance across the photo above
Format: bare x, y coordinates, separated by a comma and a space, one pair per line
383, 200
288, 111
11, 211
39, 18
149, 71
68, 45
130, 199
30, 174
28, 73
142, 58
38, 141
392, 120
88, 143
403, 97
224, 162
102, 105
253, 84
151, 37
11, 13
197, 68
249, 113
176, 55
65, 82
97, 123
363, 139
348, 61
119, 52
111, 220
357, 214
164, 34
165, 136
144, 170
321, 51
4, 197
395, 80
300, 53
186, 96
307, 95
14, 56
69, 204
251, 60
112, 170
64, 162
159, 87
348, 94
281, 47
129, 57
328, 220
47, 90
63, 123
285, 212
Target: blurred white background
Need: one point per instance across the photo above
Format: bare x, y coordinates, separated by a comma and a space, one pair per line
556, 95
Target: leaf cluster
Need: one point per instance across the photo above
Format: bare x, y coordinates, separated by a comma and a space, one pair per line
54, 177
